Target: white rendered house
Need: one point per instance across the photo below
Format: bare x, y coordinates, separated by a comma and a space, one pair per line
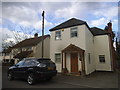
77, 48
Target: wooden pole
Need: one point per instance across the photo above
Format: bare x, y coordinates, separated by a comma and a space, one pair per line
65, 61
43, 34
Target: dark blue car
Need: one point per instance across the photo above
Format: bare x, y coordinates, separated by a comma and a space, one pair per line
33, 69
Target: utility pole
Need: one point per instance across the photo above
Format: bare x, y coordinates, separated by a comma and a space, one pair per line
43, 34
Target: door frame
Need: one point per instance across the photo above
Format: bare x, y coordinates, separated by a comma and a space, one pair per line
71, 62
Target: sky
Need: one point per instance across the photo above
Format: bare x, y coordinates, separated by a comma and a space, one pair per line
26, 17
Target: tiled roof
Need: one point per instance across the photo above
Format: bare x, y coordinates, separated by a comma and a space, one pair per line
8, 50
97, 31
72, 48
23, 54
30, 41
68, 23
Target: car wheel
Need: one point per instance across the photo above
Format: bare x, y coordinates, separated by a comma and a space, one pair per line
30, 79
10, 76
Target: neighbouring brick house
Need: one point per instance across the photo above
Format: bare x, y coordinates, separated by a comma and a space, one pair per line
6, 55
31, 47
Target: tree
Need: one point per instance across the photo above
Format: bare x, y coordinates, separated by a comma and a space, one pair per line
18, 35
6, 44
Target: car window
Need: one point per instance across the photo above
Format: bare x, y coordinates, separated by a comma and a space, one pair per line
20, 63
30, 63
33, 63
27, 63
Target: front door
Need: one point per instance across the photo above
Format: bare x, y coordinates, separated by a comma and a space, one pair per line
74, 62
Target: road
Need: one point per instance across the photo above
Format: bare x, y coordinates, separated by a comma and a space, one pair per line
95, 80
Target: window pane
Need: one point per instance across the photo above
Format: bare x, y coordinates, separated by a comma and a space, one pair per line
102, 58
58, 57
33, 63
74, 32
20, 63
27, 62
57, 35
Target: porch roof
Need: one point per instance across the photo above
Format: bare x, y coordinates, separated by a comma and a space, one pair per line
23, 54
72, 48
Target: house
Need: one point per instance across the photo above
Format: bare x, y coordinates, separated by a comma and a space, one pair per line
31, 47
76, 48
6, 55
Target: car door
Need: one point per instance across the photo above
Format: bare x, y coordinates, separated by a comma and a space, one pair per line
18, 67
31, 65
25, 67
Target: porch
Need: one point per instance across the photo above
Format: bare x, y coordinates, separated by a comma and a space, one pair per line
73, 60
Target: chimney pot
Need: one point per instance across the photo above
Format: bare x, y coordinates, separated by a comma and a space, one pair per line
109, 24
36, 35
110, 27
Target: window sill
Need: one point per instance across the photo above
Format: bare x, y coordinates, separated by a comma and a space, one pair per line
102, 62
57, 39
74, 37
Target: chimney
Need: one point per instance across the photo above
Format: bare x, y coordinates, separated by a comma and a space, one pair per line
110, 27
111, 45
36, 35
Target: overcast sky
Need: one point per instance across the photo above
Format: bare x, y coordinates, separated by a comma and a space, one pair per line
28, 15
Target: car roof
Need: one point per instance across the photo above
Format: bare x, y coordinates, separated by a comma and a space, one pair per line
37, 58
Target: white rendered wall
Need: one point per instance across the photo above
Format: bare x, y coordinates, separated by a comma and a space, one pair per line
89, 67
57, 45
101, 47
38, 49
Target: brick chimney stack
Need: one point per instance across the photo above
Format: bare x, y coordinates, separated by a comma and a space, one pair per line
110, 27
111, 45
36, 35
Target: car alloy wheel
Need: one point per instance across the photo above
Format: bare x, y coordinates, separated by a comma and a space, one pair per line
10, 77
30, 79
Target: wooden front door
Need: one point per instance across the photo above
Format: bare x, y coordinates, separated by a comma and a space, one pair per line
74, 62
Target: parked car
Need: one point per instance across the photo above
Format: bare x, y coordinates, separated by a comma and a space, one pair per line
33, 69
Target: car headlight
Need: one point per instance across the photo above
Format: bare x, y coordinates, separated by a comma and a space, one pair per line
41, 65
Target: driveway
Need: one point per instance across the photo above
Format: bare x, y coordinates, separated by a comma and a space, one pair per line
95, 80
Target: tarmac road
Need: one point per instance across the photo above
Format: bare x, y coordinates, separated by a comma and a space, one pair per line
95, 80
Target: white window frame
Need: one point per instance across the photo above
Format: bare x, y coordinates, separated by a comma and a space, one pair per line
72, 32
58, 61
102, 56
57, 36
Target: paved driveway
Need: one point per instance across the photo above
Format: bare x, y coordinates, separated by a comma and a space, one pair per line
95, 80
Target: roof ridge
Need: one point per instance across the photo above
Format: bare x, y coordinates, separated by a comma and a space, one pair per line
77, 19
30, 41
98, 31
38, 37
68, 23
98, 28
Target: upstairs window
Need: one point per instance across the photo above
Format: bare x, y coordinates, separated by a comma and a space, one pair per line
102, 58
57, 35
74, 32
